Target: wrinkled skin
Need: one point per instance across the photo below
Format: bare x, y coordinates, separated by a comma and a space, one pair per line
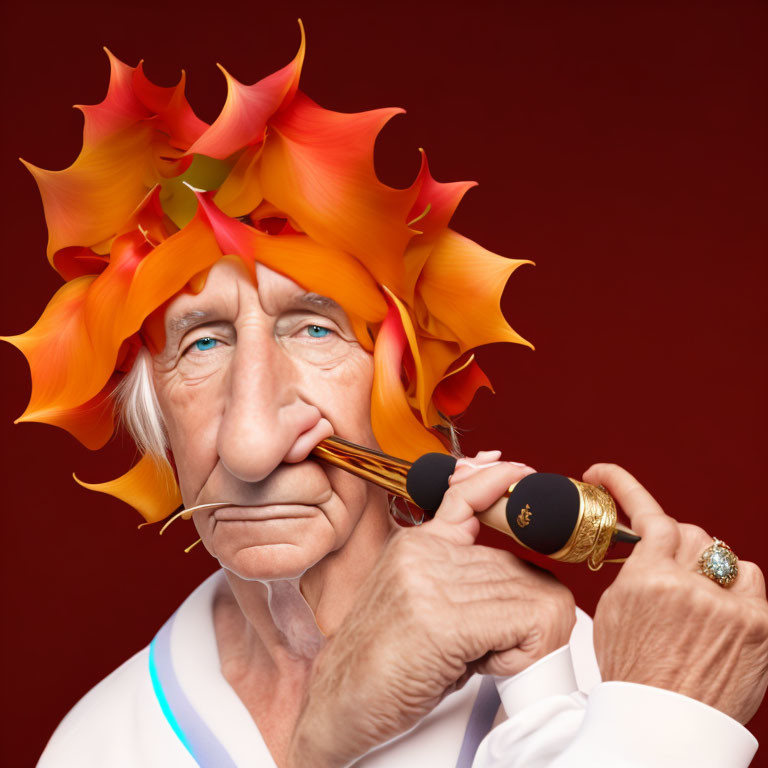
243, 413
246, 393
662, 623
338, 630
435, 609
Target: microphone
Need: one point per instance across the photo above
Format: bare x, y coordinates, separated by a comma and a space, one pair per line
553, 515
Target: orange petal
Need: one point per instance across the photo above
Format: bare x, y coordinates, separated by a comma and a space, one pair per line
91, 423
164, 272
243, 119
327, 271
459, 293
455, 392
149, 487
241, 192
395, 426
362, 331
54, 349
91, 200
437, 356
418, 372
127, 149
317, 167
73, 349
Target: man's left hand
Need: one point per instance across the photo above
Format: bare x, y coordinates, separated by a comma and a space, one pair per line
662, 623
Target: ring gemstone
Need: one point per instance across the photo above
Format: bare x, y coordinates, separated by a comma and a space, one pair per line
719, 563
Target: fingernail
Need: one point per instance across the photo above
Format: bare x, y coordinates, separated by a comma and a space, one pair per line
488, 455
481, 465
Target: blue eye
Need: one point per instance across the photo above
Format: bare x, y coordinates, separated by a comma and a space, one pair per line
317, 331
205, 343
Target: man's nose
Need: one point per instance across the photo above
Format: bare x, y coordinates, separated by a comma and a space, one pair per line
265, 416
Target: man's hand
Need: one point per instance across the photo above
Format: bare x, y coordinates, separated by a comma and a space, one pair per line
662, 623
435, 609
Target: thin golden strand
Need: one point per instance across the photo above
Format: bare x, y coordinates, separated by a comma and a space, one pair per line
189, 548
187, 513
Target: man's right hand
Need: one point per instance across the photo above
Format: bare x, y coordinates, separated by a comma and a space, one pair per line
435, 609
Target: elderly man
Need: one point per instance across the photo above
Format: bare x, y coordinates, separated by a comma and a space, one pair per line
246, 289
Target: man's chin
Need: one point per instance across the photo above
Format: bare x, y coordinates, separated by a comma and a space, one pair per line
271, 561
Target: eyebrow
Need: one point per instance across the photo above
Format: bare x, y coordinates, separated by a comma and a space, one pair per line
315, 301
177, 326
182, 323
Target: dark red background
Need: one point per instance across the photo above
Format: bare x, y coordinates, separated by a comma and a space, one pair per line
621, 146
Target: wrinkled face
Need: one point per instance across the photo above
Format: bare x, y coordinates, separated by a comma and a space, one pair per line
250, 380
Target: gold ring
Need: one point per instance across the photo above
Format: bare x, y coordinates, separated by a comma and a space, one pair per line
719, 563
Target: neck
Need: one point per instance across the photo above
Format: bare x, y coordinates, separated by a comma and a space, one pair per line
283, 623
269, 633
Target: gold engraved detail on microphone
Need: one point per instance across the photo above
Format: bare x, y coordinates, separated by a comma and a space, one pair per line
525, 516
594, 529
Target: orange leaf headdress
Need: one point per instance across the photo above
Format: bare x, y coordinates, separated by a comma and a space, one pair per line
156, 197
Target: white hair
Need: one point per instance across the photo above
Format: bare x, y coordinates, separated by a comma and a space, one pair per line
139, 411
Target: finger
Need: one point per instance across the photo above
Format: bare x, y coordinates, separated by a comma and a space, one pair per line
659, 532
750, 580
486, 457
504, 563
466, 467
693, 541
474, 494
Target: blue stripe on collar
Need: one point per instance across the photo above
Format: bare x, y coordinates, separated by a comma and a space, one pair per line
190, 728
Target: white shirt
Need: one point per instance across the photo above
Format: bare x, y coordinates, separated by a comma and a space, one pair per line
171, 699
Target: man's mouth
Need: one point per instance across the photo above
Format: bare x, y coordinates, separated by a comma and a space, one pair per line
236, 513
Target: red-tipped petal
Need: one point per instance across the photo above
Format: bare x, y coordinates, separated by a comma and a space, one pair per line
455, 392
327, 271
171, 107
91, 423
77, 261
131, 141
431, 214
243, 119
119, 109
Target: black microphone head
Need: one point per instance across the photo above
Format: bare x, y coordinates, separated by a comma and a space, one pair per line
427, 479
543, 510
